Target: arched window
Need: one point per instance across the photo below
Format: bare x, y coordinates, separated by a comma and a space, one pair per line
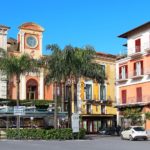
32, 89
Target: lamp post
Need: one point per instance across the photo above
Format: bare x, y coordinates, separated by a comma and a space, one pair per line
70, 83
31, 119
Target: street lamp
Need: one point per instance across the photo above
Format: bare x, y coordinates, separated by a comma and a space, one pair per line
31, 119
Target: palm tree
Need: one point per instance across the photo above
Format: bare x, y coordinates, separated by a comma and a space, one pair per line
71, 63
55, 72
12, 65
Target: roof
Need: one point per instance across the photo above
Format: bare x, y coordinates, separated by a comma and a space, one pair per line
3, 26
105, 55
132, 31
11, 40
14, 46
31, 26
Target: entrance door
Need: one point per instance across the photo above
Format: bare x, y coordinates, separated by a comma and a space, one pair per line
32, 89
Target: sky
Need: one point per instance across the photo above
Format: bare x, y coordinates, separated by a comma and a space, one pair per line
78, 22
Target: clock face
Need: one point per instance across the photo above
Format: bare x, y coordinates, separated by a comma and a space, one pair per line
31, 41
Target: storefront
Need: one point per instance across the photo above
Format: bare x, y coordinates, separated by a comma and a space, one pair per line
93, 123
32, 119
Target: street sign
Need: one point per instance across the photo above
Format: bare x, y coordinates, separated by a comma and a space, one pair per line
75, 122
19, 110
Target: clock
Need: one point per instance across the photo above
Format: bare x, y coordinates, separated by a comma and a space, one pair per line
31, 41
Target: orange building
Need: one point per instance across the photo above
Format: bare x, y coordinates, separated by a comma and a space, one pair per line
133, 72
32, 86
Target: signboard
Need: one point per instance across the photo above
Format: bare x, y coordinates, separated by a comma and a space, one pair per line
75, 122
19, 110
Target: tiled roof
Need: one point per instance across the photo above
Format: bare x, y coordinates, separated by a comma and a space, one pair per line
3, 26
143, 26
105, 55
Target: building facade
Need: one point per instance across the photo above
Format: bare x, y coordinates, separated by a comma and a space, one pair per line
3, 45
133, 73
29, 41
95, 101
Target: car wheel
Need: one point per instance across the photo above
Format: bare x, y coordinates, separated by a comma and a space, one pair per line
145, 139
122, 137
130, 138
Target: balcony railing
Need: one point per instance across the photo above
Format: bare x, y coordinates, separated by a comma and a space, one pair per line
136, 74
122, 77
134, 100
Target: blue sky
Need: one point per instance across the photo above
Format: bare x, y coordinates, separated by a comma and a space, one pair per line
78, 22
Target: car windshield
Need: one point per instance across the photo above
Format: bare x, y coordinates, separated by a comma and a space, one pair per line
138, 129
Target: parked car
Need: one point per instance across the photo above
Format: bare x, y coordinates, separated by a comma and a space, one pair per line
134, 133
107, 131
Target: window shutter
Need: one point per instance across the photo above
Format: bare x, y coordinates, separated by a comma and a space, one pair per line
134, 69
142, 71
139, 94
120, 75
138, 45
124, 96
126, 68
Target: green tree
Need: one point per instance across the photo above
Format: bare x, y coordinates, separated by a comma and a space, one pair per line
12, 65
70, 64
147, 115
134, 114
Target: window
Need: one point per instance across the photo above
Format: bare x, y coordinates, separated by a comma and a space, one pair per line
102, 92
123, 72
88, 91
32, 92
103, 69
138, 45
102, 109
89, 108
124, 96
139, 94
138, 68
32, 89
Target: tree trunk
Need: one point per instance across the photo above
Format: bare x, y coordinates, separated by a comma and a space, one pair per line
18, 89
69, 107
55, 101
62, 96
18, 97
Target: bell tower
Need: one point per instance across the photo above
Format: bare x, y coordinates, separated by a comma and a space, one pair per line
30, 39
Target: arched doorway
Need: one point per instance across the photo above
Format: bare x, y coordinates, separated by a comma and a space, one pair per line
32, 89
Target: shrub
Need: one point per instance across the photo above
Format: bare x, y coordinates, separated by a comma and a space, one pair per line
65, 134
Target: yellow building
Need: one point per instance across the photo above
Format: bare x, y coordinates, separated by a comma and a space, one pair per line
95, 101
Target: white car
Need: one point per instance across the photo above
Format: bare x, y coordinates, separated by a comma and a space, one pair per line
134, 133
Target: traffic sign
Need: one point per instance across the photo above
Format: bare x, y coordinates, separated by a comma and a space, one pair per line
75, 122
19, 110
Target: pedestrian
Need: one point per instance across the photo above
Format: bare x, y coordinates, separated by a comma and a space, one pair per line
118, 128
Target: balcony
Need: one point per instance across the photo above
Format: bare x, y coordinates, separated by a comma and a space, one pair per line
136, 55
122, 78
147, 72
136, 75
147, 47
134, 101
136, 52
